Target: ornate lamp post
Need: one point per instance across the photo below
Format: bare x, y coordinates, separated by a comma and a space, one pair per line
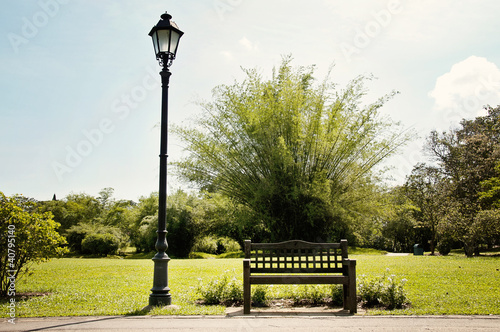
166, 37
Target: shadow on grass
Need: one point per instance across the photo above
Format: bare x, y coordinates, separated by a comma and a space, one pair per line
140, 312
140, 255
147, 309
19, 297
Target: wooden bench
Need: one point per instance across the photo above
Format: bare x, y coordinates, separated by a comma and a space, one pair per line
299, 262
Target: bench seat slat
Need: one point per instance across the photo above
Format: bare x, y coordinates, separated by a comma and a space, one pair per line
296, 244
296, 270
298, 279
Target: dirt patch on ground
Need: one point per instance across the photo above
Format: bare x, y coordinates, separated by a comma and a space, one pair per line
29, 295
290, 307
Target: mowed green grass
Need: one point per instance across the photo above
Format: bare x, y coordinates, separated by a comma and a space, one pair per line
77, 287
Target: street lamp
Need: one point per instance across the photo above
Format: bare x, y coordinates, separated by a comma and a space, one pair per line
165, 37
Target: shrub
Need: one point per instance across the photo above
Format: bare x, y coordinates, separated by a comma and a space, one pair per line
444, 247
315, 294
259, 296
294, 294
221, 290
393, 295
232, 254
225, 244
308, 294
180, 227
211, 245
234, 292
213, 291
369, 291
337, 294
180, 224
383, 291
77, 234
100, 244
200, 255
205, 244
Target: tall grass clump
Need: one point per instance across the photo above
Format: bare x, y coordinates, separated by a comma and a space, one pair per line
384, 291
221, 290
259, 296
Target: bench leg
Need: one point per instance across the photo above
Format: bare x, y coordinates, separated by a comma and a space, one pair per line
345, 291
349, 290
246, 287
350, 302
353, 304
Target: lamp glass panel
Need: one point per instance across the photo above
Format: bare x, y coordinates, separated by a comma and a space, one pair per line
174, 41
164, 40
154, 36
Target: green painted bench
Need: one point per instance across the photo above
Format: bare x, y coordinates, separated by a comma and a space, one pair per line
299, 262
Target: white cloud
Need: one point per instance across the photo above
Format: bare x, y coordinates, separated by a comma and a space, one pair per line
248, 44
235, 54
466, 88
228, 55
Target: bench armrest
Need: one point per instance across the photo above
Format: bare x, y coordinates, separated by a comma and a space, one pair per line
349, 261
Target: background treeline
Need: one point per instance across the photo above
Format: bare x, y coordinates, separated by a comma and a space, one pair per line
291, 157
208, 223
453, 202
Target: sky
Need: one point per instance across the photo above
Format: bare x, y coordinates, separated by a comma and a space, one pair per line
80, 92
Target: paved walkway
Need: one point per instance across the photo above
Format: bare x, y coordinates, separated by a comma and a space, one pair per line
262, 322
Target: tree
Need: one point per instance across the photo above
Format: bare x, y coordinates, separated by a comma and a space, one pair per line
81, 215
73, 210
486, 226
399, 226
105, 198
143, 227
424, 188
26, 237
83, 208
289, 148
468, 156
490, 194
181, 225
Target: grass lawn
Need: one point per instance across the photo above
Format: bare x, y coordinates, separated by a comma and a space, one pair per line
79, 286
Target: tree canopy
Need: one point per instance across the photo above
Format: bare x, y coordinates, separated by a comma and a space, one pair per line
468, 157
424, 187
290, 148
27, 237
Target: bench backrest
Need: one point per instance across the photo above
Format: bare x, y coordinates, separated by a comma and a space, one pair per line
296, 257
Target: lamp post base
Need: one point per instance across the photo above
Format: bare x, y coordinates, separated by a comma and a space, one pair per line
160, 300
160, 293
